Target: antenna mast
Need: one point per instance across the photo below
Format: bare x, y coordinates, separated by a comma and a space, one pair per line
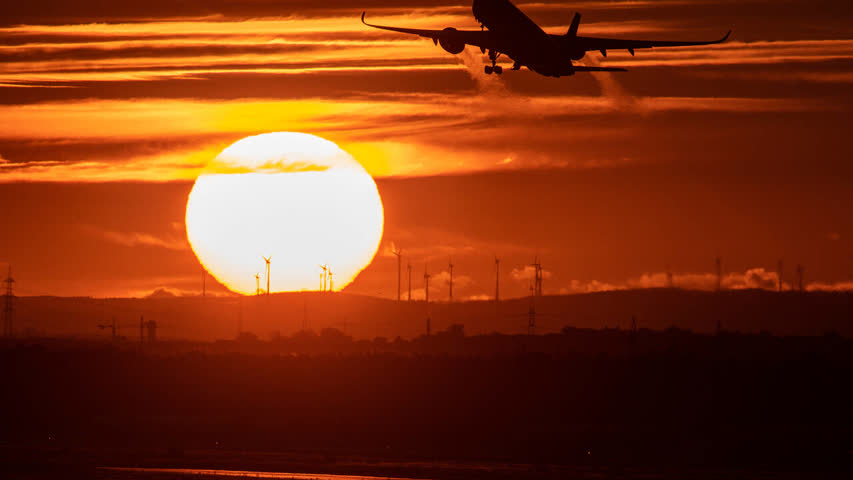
779, 275
8, 310
450, 264
800, 274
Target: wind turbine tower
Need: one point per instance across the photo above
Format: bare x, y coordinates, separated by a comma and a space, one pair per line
268, 272
257, 284
331, 281
779, 275
409, 271
7, 310
426, 296
398, 254
497, 279
450, 264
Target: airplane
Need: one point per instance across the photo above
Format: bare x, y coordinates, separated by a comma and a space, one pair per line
505, 30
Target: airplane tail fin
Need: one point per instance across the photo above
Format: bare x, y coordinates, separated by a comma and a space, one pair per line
573, 29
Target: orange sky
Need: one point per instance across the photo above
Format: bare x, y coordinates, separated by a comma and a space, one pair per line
107, 113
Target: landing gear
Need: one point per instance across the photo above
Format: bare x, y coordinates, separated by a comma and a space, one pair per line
497, 69
516, 66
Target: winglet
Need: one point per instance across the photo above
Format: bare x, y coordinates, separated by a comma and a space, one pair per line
726, 37
362, 18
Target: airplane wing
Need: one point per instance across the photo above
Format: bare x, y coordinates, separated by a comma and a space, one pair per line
481, 39
604, 44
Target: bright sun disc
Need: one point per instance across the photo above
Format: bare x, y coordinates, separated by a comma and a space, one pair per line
294, 197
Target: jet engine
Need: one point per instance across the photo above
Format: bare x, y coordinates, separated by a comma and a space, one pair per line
576, 54
449, 42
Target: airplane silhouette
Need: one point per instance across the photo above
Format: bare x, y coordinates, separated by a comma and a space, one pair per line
506, 30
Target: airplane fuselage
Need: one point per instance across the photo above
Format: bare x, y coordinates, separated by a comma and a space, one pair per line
523, 40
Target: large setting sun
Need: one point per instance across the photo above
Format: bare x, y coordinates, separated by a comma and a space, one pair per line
295, 198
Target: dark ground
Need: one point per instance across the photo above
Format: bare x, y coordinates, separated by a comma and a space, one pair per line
576, 404
211, 318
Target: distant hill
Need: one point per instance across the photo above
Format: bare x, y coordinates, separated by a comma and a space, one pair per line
211, 318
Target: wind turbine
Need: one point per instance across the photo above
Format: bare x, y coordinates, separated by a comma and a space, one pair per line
398, 253
331, 281
257, 284
325, 271
409, 271
426, 296
268, 272
497, 279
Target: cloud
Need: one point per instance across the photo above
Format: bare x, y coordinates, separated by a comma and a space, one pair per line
442, 279
172, 292
752, 278
137, 239
846, 286
479, 298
